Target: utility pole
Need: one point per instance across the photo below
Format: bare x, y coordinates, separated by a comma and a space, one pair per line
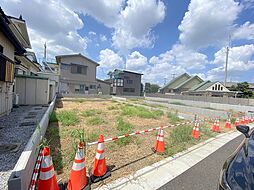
226, 65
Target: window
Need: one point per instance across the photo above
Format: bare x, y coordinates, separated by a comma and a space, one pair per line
118, 82
64, 66
129, 89
218, 86
213, 87
92, 86
78, 69
1, 49
221, 88
129, 81
82, 87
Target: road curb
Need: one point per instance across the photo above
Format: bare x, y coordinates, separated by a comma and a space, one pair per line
160, 173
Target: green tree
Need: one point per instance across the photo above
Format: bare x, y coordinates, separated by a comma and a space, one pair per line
151, 88
244, 88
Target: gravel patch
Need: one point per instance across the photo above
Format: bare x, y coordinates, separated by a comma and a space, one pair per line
13, 132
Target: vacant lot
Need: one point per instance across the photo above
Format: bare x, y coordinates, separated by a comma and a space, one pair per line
110, 118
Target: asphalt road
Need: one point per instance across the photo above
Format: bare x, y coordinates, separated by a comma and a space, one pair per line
205, 174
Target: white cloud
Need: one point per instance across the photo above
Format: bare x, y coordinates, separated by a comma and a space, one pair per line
136, 61
245, 31
110, 60
240, 60
134, 27
104, 11
58, 26
208, 22
92, 33
182, 56
103, 38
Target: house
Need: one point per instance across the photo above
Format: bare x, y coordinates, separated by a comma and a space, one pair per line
103, 87
77, 74
9, 47
125, 83
208, 88
180, 84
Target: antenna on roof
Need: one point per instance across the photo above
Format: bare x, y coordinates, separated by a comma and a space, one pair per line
226, 65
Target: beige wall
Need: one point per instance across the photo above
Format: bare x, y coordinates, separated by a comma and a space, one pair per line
69, 80
67, 75
8, 47
5, 97
221, 85
32, 91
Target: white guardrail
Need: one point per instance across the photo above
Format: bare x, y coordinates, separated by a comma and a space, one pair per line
21, 175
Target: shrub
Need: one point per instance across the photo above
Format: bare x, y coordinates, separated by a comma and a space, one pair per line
181, 134
68, 118
177, 103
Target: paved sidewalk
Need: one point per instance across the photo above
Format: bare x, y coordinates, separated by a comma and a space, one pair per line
160, 173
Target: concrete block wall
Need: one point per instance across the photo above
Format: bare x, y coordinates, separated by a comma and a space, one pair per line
23, 170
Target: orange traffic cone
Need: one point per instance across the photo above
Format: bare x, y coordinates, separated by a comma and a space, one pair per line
47, 179
214, 126
159, 144
228, 124
242, 121
77, 178
246, 119
237, 122
99, 170
195, 131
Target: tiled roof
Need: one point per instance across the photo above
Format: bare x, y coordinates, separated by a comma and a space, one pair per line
188, 80
172, 81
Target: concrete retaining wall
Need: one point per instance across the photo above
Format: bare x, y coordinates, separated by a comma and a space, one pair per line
201, 104
192, 110
219, 100
23, 170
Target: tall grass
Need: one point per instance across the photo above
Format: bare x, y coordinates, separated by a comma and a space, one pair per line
124, 128
142, 112
173, 117
91, 112
95, 120
65, 117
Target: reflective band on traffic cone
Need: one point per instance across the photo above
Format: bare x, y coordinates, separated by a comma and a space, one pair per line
252, 119
196, 132
159, 145
242, 121
246, 120
77, 179
228, 124
214, 126
237, 122
217, 126
99, 165
47, 179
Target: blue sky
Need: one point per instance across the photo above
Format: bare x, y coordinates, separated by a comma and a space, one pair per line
158, 38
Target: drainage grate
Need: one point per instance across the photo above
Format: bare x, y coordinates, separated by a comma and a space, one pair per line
32, 113
5, 148
28, 123
38, 108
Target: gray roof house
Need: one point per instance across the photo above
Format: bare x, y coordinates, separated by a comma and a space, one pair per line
180, 84
77, 74
125, 83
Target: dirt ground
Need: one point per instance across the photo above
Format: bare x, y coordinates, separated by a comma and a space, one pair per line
123, 160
